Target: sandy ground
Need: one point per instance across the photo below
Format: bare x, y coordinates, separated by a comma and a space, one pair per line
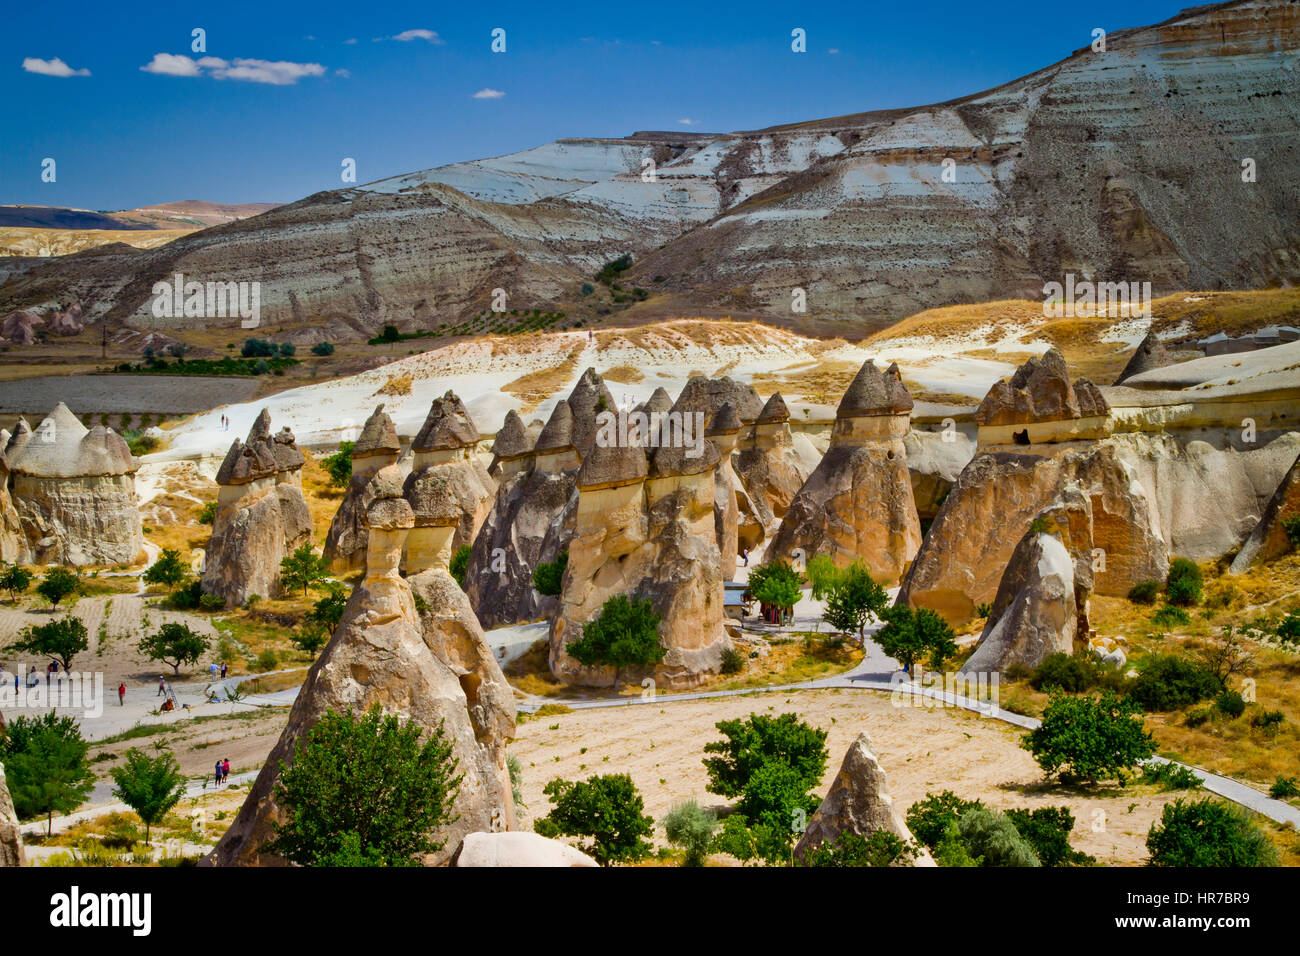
922, 750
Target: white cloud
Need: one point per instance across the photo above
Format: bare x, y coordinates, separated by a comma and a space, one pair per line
407, 35
350, 41
273, 72
488, 94
345, 74
686, 121
54, 67
171, 64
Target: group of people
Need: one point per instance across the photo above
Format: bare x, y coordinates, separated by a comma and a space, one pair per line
222, 772
214, 670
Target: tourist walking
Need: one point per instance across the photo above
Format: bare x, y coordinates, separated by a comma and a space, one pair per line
223, 670
217, 773
162, 686
225, 770
121, 695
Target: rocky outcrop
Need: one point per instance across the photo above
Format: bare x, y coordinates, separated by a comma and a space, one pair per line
1041, 602
13, 543
261, 515
520, 848
1270, 540
449, 489
770, 474
511, 448
376, 447
1150, 354
433, 668
858, 802
1039, 404
857, 505
531, 521
708, 395
722, 431
647, 532
11, 837
74, 492
589, 398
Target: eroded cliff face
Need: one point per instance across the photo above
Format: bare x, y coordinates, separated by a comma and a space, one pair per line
79, 521
433, 668
1123, 164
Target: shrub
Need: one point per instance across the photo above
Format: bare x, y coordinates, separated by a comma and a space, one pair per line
1144, 592
169, 570
186, 598
549, 575
339, 465
1291, 526
322, 348
1072, 673
1284, 787
1288, 629
1170, 616
983, 609
1198, 716
1170, 682
211, 602
992, 837
303, 569
266, 661
365, 791
854, 599
1170, 776
1089, 738
608, 809
1230, 702
691, 828
459, 564
625, 633
287, 349
208, 513
881, 848
733, 662
1268, 720
930, 819
1208, 833
1047, 831
823, 575
1184, 584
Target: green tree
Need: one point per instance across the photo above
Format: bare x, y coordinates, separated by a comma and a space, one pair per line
58, 583
991, 837
1047, 831
854, 599
624, 634
169, 570
208, 513
761, 739
776, 583
150, 786
1208, 833
910, 634
174, 644
45, 763
365, 791
691, 827
16, 580
930, 819
606, 808
339, 465
880, 848
322, 348
1184, 584
1091, 738
62, 639
303, 569
549, 575
318, 624
823, 575
458, 566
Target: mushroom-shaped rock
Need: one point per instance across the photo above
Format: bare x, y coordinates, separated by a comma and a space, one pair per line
873, 392
447, 425
378, 436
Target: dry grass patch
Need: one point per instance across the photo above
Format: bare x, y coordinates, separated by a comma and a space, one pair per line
536, 387
396, 385
623, 374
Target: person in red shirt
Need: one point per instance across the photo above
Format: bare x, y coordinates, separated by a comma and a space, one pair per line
121, 695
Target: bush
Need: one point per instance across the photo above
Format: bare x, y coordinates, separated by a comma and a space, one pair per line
1284, 787
1208, 833
339, 465
1144, 592
1288, 629
606, 808
1072, 673
983, 609
1198, 716
266, 661
1170, 616
57, 584
187, 598
1230, 702
1170, 682
1291, 526
322, 348
1089, 738
208, 513
1170, 776
823, 575
910, 634
992, 837
459, 564
549, 576
881, 848
625, 633
1047, 831
1268, 720
930, 819
1184, 584
303, 569
169, 570
733, 662
365, 791
287, 349
211, 602
691, 828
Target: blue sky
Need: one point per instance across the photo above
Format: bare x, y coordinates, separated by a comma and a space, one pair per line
123, 136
